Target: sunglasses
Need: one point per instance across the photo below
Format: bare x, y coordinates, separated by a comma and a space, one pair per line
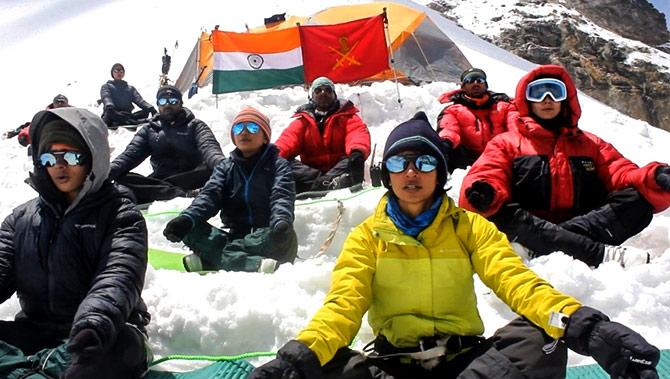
251, 127
325, 89
119, 70
537, 90
163, 101
478, 80
399, 163
69, 158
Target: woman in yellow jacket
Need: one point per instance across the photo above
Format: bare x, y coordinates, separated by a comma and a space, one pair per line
410, 266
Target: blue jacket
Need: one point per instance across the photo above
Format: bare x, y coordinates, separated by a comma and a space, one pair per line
250, 193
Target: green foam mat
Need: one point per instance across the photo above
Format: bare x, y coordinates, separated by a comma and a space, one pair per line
594, 371
218, 370
161, 259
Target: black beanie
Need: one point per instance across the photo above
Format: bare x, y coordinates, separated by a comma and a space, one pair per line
418, 135
59, 131
116, 65
168, 91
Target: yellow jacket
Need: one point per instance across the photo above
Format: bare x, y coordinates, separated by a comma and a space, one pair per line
422, 287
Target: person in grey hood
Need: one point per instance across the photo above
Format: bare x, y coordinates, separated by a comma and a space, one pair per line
76, 257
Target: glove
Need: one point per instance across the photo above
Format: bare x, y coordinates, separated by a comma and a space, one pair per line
84, 348
663, 177
480, 195
177, 228
294, 361
619, 350
280, 231
153, 111
356, 156
85, 344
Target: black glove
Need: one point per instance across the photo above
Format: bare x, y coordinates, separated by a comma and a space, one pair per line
618, 349
153, 111
356, 156
85, 349
177, 228
280, 231
480, 195
294, 361
663, 177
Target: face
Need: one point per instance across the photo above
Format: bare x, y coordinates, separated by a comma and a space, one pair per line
474, 87
60, 104
547, 109
67, 178
323, 97
413, 188
249, 143
169, 109
118, 73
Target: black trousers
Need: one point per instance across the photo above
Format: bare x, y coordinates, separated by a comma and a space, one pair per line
461, 157
517, 350
117, 118
308, 178
148, 189
624, 214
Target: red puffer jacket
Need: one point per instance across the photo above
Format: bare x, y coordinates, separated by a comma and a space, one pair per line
343, 132
464, 122
556, 176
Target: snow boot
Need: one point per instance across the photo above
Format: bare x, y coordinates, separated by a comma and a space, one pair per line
626, 256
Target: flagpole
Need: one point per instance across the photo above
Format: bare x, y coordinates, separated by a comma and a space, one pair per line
390, 50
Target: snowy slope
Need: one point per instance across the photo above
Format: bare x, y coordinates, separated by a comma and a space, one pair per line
68, 47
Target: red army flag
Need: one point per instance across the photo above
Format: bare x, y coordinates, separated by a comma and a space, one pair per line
344, 52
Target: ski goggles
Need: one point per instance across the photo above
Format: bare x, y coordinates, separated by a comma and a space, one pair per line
69, 158
399, 163
163, 101
251, 127
538, 89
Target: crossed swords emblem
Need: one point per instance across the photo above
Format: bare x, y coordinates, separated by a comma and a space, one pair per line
345, 53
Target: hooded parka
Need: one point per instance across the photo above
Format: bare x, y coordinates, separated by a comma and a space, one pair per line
556, 175
78, 265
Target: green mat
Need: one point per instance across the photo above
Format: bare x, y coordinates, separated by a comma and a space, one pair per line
218, 370
594, 371
161, 259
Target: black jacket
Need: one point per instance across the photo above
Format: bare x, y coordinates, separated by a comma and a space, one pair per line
252, 193
175, 147
121, 96
81, 264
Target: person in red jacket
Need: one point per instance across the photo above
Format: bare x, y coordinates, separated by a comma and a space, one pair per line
472, 117
330, 138
551, 186
22, 133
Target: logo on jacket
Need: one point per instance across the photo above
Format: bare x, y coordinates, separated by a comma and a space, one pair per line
588, 166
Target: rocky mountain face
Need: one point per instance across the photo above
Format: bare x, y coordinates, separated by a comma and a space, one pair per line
600, 66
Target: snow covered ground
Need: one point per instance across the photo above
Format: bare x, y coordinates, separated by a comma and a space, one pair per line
69, 46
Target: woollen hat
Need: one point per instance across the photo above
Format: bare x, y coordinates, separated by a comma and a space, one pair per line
251, 114
473, 73
60, 99
115, 66
416, 134
319, 82
60, 131
169, 91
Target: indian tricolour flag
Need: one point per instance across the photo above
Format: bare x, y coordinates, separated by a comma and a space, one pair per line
250, 61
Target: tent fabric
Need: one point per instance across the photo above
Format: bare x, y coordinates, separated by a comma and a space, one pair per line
421, 51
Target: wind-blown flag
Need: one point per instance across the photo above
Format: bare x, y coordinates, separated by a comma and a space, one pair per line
250, 61
344, 52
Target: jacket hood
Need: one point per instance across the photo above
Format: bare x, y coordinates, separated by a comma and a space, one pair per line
94, 132
548, 71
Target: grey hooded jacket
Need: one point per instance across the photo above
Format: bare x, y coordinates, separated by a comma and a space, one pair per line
81, 264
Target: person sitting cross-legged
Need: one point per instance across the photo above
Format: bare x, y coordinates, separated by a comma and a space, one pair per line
331, 139
551, 186
254, 191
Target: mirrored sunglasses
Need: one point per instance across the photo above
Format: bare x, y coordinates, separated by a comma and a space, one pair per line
69, 158
399, 163
168, 100
537, 90
479, 80
324, 89
251, 127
